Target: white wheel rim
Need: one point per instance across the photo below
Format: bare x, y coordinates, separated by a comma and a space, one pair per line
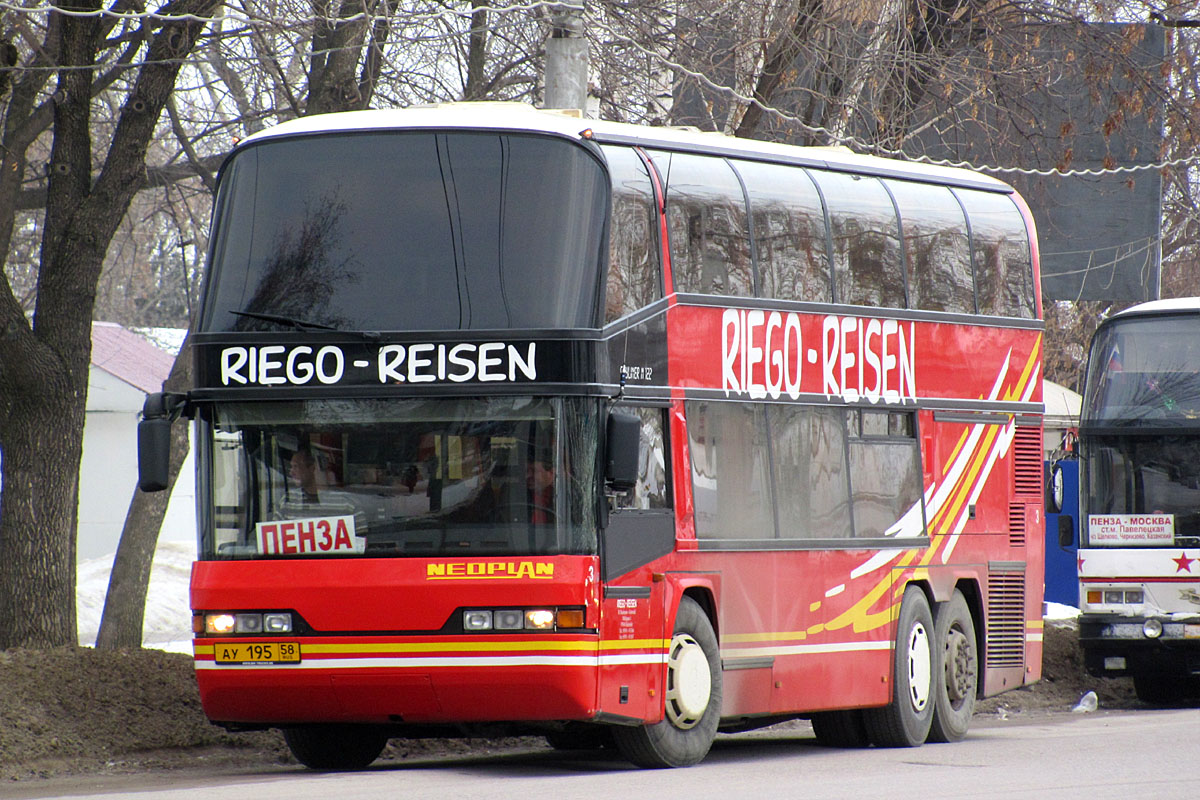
689, 682
920, 671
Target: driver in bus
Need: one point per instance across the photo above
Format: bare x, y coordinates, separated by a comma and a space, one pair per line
539, 477
302, 469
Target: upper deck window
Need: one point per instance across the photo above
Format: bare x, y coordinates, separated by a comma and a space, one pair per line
706, 218
410, 231
936, 247
634, 277
866, 241
1003, 267
788, 221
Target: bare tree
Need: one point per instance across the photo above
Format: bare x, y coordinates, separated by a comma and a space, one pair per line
67, 57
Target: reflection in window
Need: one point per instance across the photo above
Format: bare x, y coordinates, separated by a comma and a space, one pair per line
502, 475
1000, 245
652, 490
936, 246
730, 471
1134, 474
706, 217
810, 467
866, 241
789, 232
885, 462
633, 266
410, 231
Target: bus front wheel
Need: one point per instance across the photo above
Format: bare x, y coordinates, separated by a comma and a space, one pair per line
692, 699
905, 721
335, 747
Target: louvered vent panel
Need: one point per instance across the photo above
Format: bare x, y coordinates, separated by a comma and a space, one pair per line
1027, 462
1016, 524
1006, 619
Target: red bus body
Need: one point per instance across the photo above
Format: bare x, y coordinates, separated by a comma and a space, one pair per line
801, 629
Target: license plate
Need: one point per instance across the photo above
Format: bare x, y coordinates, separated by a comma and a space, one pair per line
1191, 631
256, 652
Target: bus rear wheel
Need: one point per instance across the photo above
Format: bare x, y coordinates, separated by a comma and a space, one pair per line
335, 747
905, 721
692, 699
956, 673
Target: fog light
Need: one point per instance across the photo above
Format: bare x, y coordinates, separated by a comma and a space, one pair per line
478, 620
509, 619
277, 623
248, 623
219, 623
539, 619
1152, 628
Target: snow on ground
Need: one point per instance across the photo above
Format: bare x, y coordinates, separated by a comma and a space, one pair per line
168, 621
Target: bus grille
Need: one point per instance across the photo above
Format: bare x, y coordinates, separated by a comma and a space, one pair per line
1027, 462
1006, 619
1016, 524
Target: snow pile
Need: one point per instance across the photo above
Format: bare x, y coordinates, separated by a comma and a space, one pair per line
168, 621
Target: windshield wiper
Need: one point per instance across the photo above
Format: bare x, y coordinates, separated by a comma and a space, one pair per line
298, 324
303, 325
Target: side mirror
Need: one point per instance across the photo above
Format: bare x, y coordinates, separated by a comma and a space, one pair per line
154, 444
1055, 489
621, 451
1066, 531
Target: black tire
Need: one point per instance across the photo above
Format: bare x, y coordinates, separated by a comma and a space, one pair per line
841, 729
685, 734
1159, 687
905, 721
336, 747
956, 672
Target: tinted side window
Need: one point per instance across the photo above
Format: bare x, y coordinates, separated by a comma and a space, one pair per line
866, 241
730, 471
885, 465
706, 216
1000, 245
810, 472
652, 489
633, 264
789, 232
936, 247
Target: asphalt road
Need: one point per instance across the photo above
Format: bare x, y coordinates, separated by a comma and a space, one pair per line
1150, 754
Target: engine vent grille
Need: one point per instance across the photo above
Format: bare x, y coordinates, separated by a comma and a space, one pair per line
1027, 462
1006, 619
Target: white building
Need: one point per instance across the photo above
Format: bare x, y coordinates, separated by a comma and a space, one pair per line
125, 368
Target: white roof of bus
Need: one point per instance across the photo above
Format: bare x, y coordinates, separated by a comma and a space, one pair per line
523, 117
1175, 304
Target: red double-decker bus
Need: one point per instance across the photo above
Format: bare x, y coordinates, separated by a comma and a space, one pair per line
511, 421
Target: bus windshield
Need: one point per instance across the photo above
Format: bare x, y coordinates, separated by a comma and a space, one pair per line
1144, 373
379, 478
409, 231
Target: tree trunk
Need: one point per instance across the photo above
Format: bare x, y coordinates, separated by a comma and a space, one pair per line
125, 603
44, 365
43, 442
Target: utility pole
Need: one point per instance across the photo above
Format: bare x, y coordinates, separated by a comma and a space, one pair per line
566, 74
